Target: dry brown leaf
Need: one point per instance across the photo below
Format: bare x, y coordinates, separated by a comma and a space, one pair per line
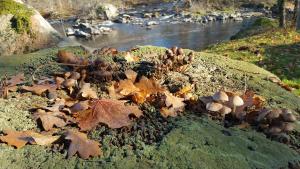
112, 91
82, 145
19, 139
184, 90
131, 58
174, 105
56, 107
15, 80
51, 119
147, 88
126, 87
87, 92
111, 112
39, 89
80, 106
130, 74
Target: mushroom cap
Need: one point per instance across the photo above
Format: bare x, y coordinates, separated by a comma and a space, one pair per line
69, 83
274, 130
212, 106
220, 96
289, 117
262, 114
286, 111
237, 101
275, 113
67, 75
225, 110
75, 75
287, 127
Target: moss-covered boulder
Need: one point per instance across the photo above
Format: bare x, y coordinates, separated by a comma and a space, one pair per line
193, 140
23, 29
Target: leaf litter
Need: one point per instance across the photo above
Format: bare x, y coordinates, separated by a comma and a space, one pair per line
130, 94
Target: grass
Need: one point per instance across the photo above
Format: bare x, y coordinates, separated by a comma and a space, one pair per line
21, 20
275, 50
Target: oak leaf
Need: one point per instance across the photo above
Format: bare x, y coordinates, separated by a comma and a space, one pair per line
126, 87
39, 89
174, 105
130, 74
51, 119
147, 88
15, 80
82, 145
131, 58
111, 112
87, 92
19, 139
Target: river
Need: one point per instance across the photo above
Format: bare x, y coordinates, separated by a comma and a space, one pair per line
186, 35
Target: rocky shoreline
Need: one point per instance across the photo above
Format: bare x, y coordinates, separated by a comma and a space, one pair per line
149, 18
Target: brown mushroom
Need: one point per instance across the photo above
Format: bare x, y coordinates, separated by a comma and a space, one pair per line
225, 110
237, 101
220, 96
214, 106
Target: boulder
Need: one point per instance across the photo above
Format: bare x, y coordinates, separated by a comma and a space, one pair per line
108, 10
24, 29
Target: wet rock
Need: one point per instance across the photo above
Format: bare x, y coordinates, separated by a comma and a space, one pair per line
150, 23
109, 11
80, 33
238, 19
70, 32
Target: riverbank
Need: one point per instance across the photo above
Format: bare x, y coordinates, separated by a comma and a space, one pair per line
271, 48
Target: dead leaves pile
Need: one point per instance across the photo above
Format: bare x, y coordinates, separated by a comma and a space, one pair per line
82, 106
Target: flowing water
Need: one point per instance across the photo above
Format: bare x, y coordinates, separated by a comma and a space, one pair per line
186, 35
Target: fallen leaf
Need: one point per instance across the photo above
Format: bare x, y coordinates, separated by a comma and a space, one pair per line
130, 74
51, 119
184, 90
39, 89
15, 80
147, 88
80, 106
82, 145
126, 87
111, 112
87, 92
43, 140
20, 138
56, 107
131, 58
174, 105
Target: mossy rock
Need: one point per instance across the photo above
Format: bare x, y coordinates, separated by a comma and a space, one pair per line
194, 140
21, 20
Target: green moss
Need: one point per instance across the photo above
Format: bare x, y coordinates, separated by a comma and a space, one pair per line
259, 26
21, 20
276, 51
193, 142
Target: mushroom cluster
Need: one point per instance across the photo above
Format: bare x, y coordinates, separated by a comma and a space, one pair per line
276, 122
74, 81
174, 60
106, 51
101, 70
224, 104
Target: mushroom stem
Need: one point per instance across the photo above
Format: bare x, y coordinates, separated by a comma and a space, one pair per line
233, 110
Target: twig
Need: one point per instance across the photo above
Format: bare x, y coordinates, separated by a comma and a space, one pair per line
245, 83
